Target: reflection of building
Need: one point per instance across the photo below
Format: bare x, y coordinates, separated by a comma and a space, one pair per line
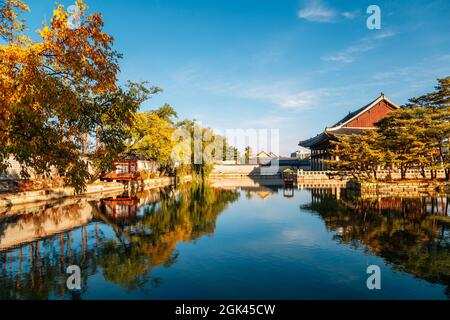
44, 221
121, 208
288, 192
264, 194
356, 122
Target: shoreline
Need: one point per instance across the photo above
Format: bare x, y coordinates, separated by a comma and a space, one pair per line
30, 197
393, 188
399, 188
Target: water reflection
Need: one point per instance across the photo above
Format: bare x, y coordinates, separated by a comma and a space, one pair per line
411, 234
122, 239
125, 237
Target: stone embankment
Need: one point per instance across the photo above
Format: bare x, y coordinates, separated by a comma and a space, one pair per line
11, 199
406, 189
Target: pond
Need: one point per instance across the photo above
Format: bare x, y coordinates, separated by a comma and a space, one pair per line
258, 241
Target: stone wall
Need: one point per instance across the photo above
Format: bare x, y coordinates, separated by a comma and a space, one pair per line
404, 189
10, 199
248, 170
381, 174
13, 172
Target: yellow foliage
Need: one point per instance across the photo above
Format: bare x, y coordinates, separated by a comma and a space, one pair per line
46, 86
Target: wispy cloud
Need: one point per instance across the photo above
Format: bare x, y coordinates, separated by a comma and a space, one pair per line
271, 121
384, 35
420, 76
348, 55
188, 74
287, 94
284, 98
349, 15
282, 94
316, 11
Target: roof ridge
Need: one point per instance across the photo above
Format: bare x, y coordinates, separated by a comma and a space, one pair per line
361, 110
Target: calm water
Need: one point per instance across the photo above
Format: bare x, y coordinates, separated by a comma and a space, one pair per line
234, 243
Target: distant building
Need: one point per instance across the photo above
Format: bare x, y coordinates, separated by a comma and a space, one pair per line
263, 158
301, 155
356, 122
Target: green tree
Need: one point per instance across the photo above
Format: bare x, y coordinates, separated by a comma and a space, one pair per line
435, 110
415, 137
248, 154
402, 136
166, 112
197, 148
151, 135
359, 155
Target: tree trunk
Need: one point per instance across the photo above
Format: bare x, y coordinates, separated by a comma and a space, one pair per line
403, 173
423, 172
433, 174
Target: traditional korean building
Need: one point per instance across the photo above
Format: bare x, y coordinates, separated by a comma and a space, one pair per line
355, 122
129, 168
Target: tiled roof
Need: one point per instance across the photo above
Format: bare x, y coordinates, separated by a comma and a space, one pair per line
323, 137
339, 129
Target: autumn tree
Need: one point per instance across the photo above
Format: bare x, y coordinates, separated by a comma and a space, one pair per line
59, 90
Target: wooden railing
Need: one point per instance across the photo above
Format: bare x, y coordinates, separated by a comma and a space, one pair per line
121, 176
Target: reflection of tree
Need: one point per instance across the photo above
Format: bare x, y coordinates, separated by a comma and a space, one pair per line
152, 241
410, 234
149, 240
37, 273
40, 270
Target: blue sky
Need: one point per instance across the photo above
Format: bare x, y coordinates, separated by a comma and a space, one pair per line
297, 66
